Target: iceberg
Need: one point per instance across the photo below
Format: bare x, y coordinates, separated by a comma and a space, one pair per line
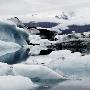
61, 61
4, 68
51, 59
15, 83
10, 33
37, 72
74, 85
35, 50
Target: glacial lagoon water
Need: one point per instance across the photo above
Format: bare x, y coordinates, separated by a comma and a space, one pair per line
78, 76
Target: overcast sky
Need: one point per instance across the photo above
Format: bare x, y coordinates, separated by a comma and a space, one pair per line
22, 7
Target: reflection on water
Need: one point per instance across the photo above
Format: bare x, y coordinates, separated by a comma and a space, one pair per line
15, 57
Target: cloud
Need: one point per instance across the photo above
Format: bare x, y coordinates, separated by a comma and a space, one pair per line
19, 7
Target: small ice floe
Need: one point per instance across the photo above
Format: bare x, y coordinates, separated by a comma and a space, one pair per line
6, 69
15, 83
37, 72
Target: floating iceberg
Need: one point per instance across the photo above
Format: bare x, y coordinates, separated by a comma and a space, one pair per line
35, 50
15, 83
10, 33
51, 59
4, 69
74, 85
37, 72
72, 64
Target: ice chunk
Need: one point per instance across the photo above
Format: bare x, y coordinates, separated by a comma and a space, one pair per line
74, 85
35, 50
15, 83
60, 61
51, 59
42, 59
6, 69
37, 71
